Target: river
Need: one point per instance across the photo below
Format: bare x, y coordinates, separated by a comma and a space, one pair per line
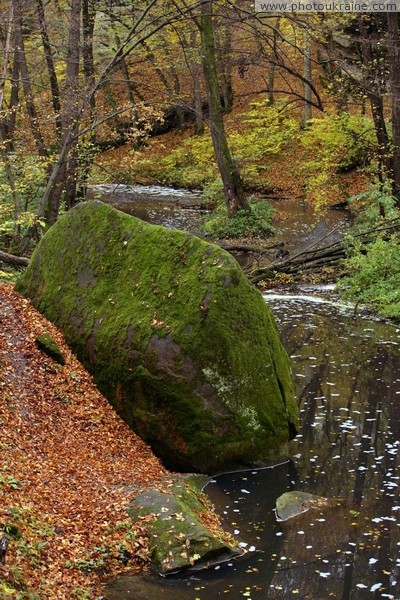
346, 372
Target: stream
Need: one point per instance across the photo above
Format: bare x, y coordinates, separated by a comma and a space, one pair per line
346, 372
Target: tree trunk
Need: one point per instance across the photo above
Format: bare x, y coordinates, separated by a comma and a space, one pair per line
308, 78
7, 125
394, 71
233, 187
225, 62
54, 87
3, 154
374, 93
273, 62
26, 82
195, 69
88, 17
70, 115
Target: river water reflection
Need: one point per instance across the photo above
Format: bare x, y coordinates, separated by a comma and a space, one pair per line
346, 373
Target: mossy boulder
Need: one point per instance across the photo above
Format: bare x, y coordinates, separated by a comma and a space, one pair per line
183, 531
174, 335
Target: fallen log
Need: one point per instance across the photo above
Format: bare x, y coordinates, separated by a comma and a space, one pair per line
11, 259
316, 258
249, 248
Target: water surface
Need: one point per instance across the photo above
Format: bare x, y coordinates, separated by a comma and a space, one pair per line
346, 372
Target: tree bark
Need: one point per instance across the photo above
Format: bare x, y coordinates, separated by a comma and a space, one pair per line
374, 93
88, 18
195, 69
3, 153
394, 79
26, 82
7, 126
273, 62
233, 186
70, 117
54, 87
225, 62
11, 259
308, 78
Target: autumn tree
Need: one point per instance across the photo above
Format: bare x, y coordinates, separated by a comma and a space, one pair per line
233, 186
360, 54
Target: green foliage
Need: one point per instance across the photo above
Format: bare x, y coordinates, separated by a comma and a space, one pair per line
334, 143
374, 271
8, 480
29, 537
96, 559
192, 164
244, 223
30, 175
268, 128
376, 205
9, 274
81, 593
374, 278
213, 193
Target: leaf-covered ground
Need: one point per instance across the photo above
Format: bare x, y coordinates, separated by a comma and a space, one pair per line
68, 467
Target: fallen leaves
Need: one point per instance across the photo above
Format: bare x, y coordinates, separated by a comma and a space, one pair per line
68, 467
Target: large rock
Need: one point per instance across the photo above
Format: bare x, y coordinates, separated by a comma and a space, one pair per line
176, 338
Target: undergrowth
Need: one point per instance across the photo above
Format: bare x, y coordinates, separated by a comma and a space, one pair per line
245, 223
374, 277
373, 270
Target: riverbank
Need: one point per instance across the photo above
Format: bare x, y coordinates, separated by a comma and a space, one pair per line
69, 467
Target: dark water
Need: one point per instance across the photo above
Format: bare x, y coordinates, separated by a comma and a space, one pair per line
346, 373
295, 224
173, 208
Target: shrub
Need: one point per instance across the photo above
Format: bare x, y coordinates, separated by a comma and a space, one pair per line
373, 207
334, 143
374, 278
244, 223
267, 129
192, 164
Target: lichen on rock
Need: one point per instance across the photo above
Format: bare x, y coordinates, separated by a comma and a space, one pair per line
174, 335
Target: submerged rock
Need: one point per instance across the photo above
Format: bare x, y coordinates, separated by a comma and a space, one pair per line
177, 524
174, 335
292, 504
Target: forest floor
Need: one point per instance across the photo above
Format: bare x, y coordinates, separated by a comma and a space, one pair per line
68, 468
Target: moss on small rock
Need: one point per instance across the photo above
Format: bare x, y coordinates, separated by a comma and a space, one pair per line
49, 346
175, 336
178, 537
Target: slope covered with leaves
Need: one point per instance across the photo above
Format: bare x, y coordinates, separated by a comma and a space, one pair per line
68, 467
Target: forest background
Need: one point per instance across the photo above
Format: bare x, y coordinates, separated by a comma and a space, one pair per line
207, 95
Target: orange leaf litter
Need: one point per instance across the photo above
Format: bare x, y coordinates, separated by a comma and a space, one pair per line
76, 463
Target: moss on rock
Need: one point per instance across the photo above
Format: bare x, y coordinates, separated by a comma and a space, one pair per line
175, 521
175, 336
49, 346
